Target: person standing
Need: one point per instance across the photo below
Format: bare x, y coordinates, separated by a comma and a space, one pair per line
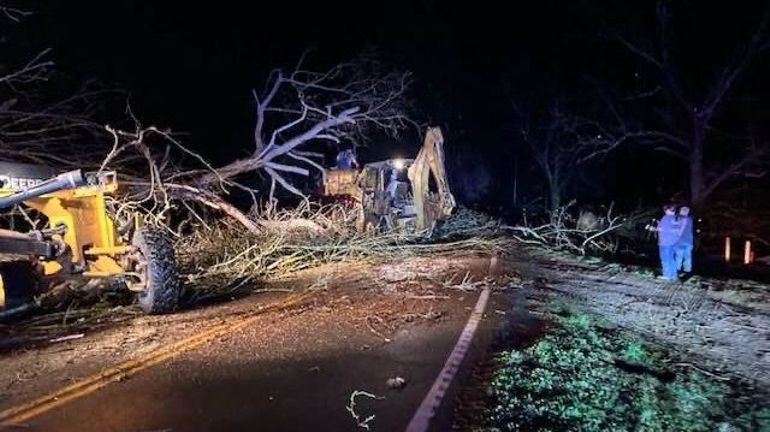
346, 159
683, 249
668, 235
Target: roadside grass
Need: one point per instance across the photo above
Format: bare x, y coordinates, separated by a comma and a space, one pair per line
585, 375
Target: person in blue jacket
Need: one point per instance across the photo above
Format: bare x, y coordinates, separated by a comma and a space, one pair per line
346, 159
668, 235
683, 249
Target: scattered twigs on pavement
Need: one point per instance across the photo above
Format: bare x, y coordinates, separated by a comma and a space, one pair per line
351, 407
465, 284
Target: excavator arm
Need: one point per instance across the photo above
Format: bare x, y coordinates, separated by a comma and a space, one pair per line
431, 205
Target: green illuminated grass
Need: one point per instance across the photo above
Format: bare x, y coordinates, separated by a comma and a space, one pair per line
584, 376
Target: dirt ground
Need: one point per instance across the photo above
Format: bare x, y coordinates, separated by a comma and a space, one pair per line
722, 326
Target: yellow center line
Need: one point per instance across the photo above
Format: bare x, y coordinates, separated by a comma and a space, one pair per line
118, 372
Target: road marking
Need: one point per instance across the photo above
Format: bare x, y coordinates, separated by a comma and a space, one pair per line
120, 371
429, 406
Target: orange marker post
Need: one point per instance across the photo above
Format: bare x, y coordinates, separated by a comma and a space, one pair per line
747, 252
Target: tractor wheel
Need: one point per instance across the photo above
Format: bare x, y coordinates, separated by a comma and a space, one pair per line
162, 286
19, 282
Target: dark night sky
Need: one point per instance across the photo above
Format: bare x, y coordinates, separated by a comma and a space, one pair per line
190, 65
193, 65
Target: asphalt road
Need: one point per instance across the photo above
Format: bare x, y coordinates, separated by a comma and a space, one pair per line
287, 371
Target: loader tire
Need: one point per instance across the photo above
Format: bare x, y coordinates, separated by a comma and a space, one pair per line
161, 295
20, 282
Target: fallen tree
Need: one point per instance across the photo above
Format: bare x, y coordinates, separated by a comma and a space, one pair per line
219, 259
168, 184
296, 110
563, 231
222, 257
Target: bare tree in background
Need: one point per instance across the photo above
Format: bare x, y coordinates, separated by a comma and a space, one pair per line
562, 145
36, 126
685, 120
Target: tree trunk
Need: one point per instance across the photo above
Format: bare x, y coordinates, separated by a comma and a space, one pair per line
220, 204
697, 180
554, 192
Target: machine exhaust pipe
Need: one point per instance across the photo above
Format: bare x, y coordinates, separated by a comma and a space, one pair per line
68, 180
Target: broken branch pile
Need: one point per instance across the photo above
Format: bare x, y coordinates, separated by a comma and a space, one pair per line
564, 232
224, 257
219, 258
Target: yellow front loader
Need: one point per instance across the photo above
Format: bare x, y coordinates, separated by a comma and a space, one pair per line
79, 240
405, 194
